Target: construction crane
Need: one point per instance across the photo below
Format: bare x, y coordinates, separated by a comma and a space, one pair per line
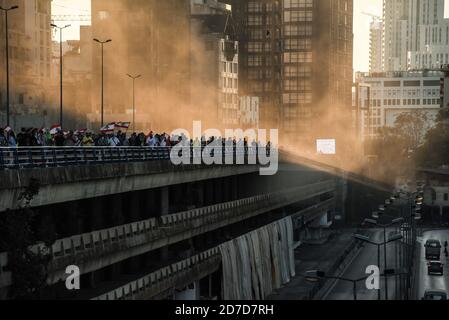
71, 18
375, 17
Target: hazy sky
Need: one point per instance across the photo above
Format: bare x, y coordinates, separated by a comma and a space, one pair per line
361, 24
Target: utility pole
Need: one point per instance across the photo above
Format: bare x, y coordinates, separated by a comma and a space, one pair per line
6, 10
134, 98
61, 114
102, 43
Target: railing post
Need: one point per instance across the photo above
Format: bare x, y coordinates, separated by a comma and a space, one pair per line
30, 158
16, 158
2, 161
54, 157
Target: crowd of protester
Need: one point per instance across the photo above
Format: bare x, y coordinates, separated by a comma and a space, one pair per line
33, 137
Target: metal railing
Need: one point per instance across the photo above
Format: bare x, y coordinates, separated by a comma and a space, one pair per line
45, 157
139, 233
162, 278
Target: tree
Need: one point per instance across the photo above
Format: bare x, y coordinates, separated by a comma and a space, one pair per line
435, 151
29, 269
411, 127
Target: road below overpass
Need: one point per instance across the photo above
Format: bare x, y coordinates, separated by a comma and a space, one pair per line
432, 282
342, 290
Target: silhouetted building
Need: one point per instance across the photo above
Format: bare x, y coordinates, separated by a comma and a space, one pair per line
214, 66
297, 56
151, 38
29, 64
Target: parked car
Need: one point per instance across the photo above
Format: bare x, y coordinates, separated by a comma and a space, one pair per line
433, 249
435, 295
435, 267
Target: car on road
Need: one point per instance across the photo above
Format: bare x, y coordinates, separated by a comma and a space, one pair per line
433, 249
435, 267
435, 295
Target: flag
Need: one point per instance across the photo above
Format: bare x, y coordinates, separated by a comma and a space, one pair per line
55, 129
80, 131
108, 128
123, 125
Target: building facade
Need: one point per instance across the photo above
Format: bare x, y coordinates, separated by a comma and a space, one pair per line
396, 34
249, 112
431, 50
30, 62
376, 46
297, 57
415, 35
214, 65
151, 38
394, 93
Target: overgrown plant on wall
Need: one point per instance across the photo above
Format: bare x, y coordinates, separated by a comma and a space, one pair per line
29, 269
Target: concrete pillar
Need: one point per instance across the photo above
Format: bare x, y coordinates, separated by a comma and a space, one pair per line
96, 214
200, 195
218, 187
235, 193
47, 227
209, 192
73, 222
165, 254
150, 207
93, 279
165, 201
115, 212
134, 206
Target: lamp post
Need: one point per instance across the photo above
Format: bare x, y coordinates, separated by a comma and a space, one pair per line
366, 239
6, 10
102, 43
315, 275
408, 229
134, 98
414, 214
61, 114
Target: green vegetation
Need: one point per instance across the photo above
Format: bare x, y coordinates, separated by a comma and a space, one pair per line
435, 150
29, 269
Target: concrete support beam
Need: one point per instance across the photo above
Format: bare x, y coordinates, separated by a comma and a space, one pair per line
165, 201
95, 214
115, 211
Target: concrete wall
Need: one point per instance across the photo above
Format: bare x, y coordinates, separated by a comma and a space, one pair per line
64, 184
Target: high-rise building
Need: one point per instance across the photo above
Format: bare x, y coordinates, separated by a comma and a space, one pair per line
396, 34
432, 45
415, 35
151, 38
214, 67
258, 26
375, 53
30, 60
395, 93
297, 57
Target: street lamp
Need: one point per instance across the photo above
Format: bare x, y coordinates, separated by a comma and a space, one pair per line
385, 226
6, 10
102, 43
61, 115
134, 98
315, 276
366, 239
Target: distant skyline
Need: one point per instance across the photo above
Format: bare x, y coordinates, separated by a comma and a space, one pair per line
361, 24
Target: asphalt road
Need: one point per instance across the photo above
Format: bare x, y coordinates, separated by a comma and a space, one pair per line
433, 282
343, 290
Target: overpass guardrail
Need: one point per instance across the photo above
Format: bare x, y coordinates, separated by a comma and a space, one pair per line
45, 157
